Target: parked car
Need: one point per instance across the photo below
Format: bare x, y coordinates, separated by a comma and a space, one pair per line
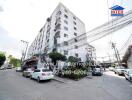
18, 69
42, 74
111, 68
9, 66
27, 72
128, 74
2, 68
97, 70
119, 70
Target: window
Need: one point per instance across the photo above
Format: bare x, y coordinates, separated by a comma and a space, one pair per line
76, 54
65, 35
48, 40
57, 34
66, 28
75, 34
79, 59
65, 43
74, 18
36, 70
41, 46
74, 22
75, 40
65, 16
75, 28
45, 70
66, 22
76, 46
65, 52
58, 13
58, 26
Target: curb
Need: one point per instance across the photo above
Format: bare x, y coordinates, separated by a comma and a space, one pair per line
58, 80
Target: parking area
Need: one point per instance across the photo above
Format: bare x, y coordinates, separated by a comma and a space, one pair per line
107, 87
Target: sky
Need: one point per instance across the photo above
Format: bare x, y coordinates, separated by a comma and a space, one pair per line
22, 20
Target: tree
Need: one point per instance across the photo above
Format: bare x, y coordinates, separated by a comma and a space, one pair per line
15, 62
63, 58
2, 58
72, 59
55, 56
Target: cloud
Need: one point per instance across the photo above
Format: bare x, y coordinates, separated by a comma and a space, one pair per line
1, 9
9, 44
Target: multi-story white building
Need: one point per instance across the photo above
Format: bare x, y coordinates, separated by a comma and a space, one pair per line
62, 32
128, 57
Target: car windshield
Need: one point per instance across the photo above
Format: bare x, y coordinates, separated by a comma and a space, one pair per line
97, 66
130, 71
45, 70
120, 67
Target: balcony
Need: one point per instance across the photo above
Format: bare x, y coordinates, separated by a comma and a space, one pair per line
57, 27
65, 43
57, 34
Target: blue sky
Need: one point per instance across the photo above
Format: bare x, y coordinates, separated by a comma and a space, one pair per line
22, 20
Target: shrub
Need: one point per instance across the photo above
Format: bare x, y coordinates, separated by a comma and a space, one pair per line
75, 74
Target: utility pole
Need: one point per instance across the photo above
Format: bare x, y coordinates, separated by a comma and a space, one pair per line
116, 53
24, 51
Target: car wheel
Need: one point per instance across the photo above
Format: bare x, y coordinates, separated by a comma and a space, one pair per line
130, 79
30, 76
23, 75
92, 74
38, 79
115, 72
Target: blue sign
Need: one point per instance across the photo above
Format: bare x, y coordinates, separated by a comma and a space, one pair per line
117, 10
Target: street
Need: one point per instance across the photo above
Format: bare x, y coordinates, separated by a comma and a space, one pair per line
107, 87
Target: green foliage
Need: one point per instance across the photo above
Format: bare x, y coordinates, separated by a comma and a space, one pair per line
63, 58
74, 72
55, 56
15, 62
72, 59
2, 58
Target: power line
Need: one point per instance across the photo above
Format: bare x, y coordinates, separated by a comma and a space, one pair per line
118, 23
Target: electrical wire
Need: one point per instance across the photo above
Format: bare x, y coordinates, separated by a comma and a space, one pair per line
123, 23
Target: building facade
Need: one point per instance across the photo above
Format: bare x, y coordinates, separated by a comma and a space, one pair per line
128, 57
63, 32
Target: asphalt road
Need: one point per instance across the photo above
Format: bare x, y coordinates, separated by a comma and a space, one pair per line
107, 87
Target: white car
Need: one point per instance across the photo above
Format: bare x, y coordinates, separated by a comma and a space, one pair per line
97, 70
111, 68
128, 74
18, 69
42, 74
27, 72
119, 70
